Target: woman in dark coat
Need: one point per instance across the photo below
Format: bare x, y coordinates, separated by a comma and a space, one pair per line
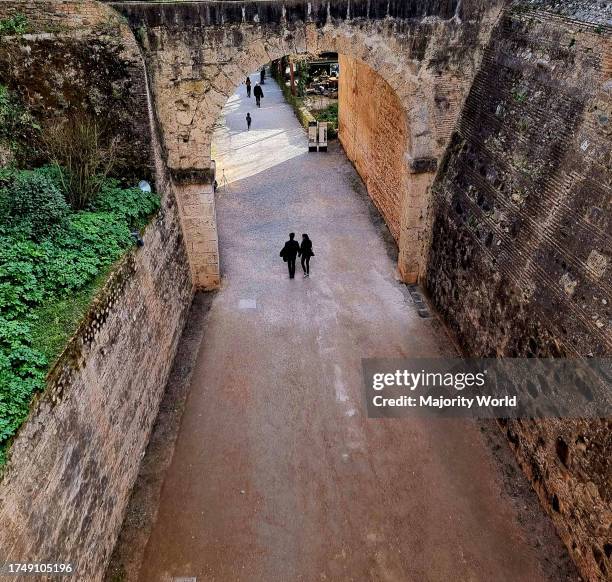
306, 253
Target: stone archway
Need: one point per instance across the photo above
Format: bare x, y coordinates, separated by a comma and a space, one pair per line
198, 53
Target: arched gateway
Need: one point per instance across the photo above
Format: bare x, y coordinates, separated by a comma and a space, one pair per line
197, 53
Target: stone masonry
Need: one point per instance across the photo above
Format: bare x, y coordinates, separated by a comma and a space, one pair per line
199, 52
373, 129
519, 262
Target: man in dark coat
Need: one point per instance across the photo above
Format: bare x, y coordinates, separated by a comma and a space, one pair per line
248, 86
289, 252
258, 92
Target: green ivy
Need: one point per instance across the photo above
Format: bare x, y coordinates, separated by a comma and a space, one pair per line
17, 24
52, 260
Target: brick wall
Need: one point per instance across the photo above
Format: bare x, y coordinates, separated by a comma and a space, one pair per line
374, 133
519, 260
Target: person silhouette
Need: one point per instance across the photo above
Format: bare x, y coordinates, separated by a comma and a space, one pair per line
258, 92
248, 86
306, 253
289, 252
248, 120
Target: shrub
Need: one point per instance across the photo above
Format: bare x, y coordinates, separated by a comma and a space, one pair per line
49, 275
85, 154
132, 203
31, 203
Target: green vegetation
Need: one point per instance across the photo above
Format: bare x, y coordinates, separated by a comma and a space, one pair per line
56, 250
16, 24
520, 95
304, 115
329, 114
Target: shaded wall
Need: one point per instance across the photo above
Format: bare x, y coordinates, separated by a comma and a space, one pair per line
521, 245
80, 57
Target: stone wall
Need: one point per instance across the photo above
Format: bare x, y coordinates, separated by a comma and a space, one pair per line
199, 52
73, 463
373, 129
521, 246
80, 57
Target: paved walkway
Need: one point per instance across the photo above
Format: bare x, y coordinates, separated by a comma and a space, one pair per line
277, 474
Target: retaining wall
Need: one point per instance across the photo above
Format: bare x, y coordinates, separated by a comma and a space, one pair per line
72, 465
519, 260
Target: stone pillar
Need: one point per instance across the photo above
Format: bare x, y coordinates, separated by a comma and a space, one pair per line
196, 200
413, 220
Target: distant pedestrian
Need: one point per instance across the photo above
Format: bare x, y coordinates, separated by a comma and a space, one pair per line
262, 75
306, 253
248, 120
289, 252
248, 86
258, 92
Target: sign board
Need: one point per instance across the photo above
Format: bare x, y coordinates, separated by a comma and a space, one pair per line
322, 136
312, 136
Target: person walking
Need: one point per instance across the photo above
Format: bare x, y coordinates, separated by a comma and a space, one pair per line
306, 253
262, 75
248, 120
248, 86
289, 252
258, 92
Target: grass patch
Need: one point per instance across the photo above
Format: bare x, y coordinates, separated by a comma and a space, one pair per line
58, 320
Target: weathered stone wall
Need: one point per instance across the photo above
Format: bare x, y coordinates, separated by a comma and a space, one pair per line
520, 251
395, 143
80, 57
73, 463
198, 52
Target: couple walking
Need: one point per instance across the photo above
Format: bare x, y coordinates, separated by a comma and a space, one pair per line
292, 249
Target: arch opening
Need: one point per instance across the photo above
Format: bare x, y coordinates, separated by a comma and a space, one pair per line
375, 131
